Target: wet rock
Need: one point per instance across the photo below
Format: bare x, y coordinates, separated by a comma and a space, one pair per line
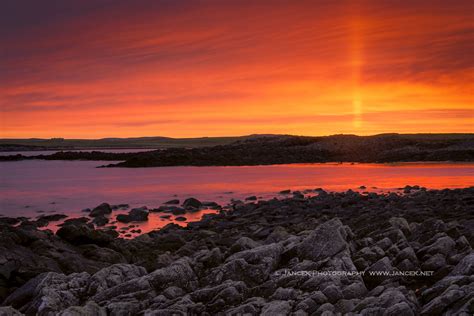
102, 209
172, 202
100, 220
211, 205
83, 234
178, 211
285, 192
135, 215
251, 198
192, 202
181, 219
75, 221
53, 217
9, 220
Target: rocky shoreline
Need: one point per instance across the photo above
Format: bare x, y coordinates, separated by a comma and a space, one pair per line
324, 254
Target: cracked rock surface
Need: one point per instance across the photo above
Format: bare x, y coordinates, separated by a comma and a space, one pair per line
258, 258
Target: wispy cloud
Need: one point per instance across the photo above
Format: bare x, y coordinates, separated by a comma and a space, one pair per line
173, 67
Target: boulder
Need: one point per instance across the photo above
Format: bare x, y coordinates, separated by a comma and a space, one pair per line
9, 311
83, 234
275, 308
75, 221
49, 293
90, 308
192, 202
135, 215
103, 209
327, 240
112, 276
100, 220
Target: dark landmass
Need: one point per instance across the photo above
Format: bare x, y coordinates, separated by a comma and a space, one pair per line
266, 150
73, 155
256, 258
286, 149
33, 144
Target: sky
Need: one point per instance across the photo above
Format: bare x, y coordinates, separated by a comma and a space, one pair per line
117, 68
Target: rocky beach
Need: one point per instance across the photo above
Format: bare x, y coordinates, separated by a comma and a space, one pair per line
304, 253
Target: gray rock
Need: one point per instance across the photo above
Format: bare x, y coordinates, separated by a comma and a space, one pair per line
326, 307
251, 307
276, 308
383, 264
266, 254
284, 294
325, 241
49, 293
465, 266
9, 311
402, 224
89, 309
243, 243
441, 303
112, 276
444, 245
333, 293
399, 309
434, 263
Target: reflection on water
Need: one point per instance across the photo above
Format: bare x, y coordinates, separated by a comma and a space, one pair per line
29, 187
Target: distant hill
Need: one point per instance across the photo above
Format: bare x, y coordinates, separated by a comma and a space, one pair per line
136, 142
275, 149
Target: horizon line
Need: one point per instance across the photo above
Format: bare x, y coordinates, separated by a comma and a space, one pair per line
238, 136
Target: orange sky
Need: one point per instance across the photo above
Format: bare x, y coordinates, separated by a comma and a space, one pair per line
90, 69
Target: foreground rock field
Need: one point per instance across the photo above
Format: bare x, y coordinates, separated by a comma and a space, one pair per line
295, 256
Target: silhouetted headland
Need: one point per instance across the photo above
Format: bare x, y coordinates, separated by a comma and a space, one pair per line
287, 149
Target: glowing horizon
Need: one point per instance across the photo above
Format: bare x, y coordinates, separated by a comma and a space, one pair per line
94, 69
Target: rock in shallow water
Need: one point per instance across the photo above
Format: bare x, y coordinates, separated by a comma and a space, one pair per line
103, 209
135, 215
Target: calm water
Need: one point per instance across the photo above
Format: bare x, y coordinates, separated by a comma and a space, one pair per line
30, 187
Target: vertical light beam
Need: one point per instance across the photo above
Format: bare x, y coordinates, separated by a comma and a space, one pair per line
356, 66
